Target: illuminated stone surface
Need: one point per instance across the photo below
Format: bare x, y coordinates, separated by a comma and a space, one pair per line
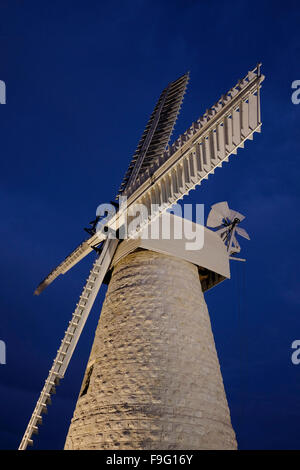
153, 379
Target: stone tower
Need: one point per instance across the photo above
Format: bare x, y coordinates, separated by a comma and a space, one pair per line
153, 379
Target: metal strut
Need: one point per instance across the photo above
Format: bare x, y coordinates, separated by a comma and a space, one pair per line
70, 339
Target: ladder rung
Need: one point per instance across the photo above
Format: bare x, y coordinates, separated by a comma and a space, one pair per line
50, 382
80, 305
62, 352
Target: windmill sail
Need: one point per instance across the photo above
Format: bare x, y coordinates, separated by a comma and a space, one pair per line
73, 258
217, 214
157, 132
70, 340
203, 148
242, 232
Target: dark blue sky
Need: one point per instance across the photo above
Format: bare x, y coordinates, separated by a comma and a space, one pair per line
82, 79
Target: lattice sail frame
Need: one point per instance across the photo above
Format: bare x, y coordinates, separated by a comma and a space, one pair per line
158, 131
208, 142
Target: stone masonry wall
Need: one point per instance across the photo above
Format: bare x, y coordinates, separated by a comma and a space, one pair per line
153, 379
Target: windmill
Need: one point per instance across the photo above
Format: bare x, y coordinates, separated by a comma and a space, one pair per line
158, 176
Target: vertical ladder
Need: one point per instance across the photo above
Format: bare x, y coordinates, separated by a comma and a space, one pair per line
70, 339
